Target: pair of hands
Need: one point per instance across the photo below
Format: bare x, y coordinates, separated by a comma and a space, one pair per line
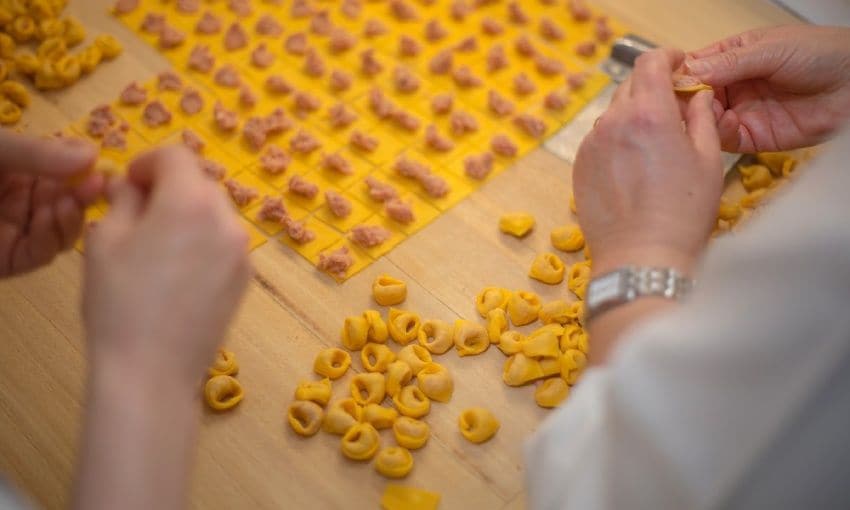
647, 190
165, 268
648, 178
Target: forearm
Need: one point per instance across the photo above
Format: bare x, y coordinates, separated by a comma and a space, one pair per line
138, 441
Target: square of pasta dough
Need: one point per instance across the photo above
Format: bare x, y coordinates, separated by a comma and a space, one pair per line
325, 237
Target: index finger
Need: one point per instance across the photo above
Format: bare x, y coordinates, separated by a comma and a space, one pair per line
652, 78
165, 174
723, 45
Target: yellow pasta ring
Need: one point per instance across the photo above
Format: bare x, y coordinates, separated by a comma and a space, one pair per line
410, 432
361, 442
470, 338
23, 29
68, 68
50, 27
394, 462
341, 416
519, 369
15, 92
547, 268
75, 32
523, 308
53, 48
389, 291
7, 46
490, 298
517, 224
224, 364
305, 417
510, 342
368, 388
27, 63
332, 363
544, 345
223, 392
436, 382
10, 113
477, 424
551, 392
376, 357
436, 336
403, 326
412, 402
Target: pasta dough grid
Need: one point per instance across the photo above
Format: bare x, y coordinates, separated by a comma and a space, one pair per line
306, 54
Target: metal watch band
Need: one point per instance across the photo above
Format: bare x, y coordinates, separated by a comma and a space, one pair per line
626, 284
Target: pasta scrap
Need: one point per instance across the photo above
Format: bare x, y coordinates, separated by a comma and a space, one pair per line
223, 392
517, 224
332, 363
305, 417
394, 462
686, 84
478, 424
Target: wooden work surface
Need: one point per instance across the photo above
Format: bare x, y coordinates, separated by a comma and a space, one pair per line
249, 458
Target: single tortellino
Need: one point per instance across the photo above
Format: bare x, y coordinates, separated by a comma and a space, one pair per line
523, 307
415, 356
437, 336
398, 375
403, 326
224, 364
579, 278
436, 382
478, 424
361, 442
90, 58
108, 45
394, 462
470, 338
376, 357
550, 366
377, 332
729, 212
354, 334
411, 401
223, 392
574, 337
544, 345
497, 323
341, 416
520, 369
511, 342
52, 48
755, 177
547, 268
776, 161
572, 365
567, 238
555, 312
754, 198
22, 29
551, 392
314, 391
490, 298
15, 92
75, 33
410, 432
389, 291
68, 68
517, 224
332, 363
27, 63
305, 417
379, 416
368, 388
554, 329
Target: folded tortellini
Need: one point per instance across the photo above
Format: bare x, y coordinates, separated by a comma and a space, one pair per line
223, 392
376, 357
354, 334
579, 278
314, 391
389, 291
332, 363
523, 307
224, 364
403, 326
551, 392
517, 224
341, 416
478, 424
412, 402
547, 268
305, 417
470, 338
511, 342
490, 298
543, 345
415, 356
755, 177
436, 336
398, 375
779, 163
436, 382
572, 365
410, 432
377, 331
361, 442
379, 416
520, 369
368, 388
497, 323
394, 462
568, 238
574, 337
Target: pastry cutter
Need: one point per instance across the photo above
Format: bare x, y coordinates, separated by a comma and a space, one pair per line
617, 66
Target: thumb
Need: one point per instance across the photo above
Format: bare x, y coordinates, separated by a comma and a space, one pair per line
732, 66
702, 126
61, 157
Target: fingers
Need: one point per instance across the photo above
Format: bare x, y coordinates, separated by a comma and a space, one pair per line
40, 245
44, 157
702, 126
739, 62
126, 202
168, 175
69, 220
652, 79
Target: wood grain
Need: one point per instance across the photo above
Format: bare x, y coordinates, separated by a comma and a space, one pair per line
249, 458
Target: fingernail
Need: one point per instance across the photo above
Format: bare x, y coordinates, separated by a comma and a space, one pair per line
697, 67
79, 149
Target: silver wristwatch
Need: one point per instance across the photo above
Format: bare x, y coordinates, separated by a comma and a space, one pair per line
629, 283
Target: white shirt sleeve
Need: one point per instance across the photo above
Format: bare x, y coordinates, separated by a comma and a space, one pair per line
692, 400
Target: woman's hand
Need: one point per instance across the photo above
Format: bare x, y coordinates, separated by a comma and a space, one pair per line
646, 188
40, 213
165, 270
778, 88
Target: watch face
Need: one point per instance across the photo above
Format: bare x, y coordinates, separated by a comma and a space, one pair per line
610, 287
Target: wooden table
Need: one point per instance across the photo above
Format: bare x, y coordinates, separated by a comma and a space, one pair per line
249, 458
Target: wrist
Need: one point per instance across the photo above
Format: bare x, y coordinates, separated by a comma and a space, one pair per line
643, 256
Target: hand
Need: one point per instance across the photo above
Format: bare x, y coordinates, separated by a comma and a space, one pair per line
646, 189
778, 88
40, 213
165, 270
